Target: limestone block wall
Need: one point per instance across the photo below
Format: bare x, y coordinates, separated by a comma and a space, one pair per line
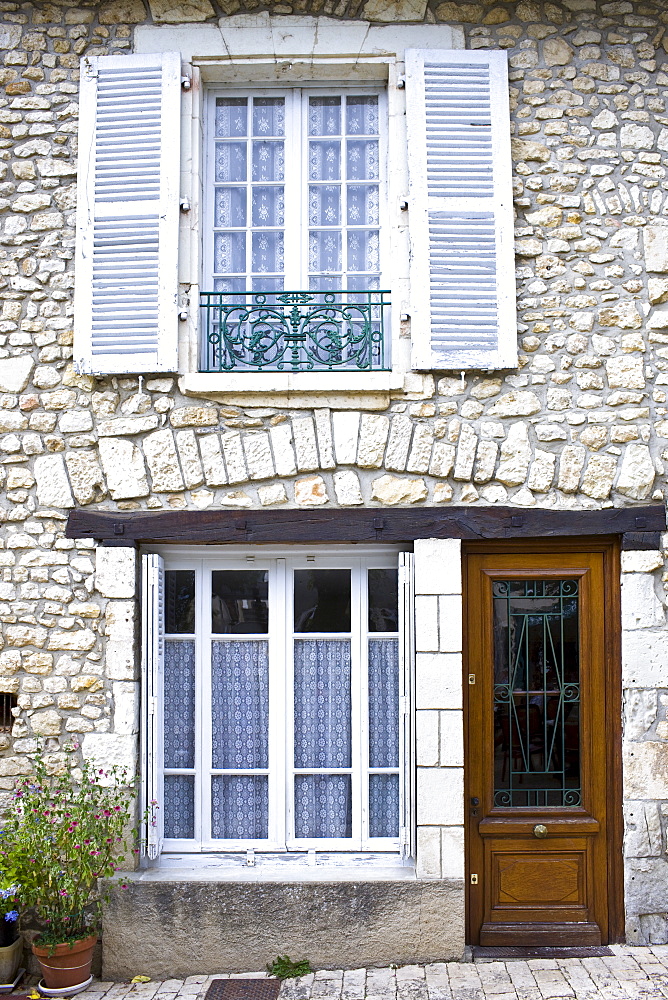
645, 748
438, 705
582, 423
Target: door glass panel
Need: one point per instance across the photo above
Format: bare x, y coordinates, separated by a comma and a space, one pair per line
322, 703
536, 693
179, 601
240, 704
179, 724
240, 602
180, 806
239, 806
323, 805
322, 600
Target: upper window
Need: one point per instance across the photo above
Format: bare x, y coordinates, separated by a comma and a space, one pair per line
295, 239
280, 697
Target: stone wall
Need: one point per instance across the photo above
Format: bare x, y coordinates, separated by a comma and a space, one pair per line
583, 423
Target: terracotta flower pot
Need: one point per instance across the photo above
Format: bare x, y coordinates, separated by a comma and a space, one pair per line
68, 965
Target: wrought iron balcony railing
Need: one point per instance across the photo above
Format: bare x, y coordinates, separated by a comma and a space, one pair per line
293, 331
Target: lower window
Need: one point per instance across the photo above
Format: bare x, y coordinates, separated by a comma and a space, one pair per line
281, 689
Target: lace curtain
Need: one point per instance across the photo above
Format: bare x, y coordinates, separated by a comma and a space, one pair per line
383, 703
240, 703
179, 685
179, 810
239, 806
322, 703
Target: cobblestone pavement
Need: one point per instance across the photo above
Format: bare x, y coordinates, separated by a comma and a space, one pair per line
629, 974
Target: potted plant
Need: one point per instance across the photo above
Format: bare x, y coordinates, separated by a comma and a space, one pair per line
67, 828
11, 943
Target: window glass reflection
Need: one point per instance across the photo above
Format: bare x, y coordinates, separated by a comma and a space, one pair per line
179, 601
322, 600
383, 600
240, 602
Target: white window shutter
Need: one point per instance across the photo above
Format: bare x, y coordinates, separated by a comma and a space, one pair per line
407, 800
152, 661
461, 210
126, 265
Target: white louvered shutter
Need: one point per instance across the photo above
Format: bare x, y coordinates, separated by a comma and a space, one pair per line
407, 799
152, 661
126, 291
461, 210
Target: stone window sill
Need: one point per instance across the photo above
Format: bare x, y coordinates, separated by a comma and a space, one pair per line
288, 867
364, 390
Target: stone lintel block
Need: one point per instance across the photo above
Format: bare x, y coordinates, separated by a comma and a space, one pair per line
641, 561
450, 623
451, 750
427, 737
116, 571
104, 750
426, 623
428, 861
644, 658
438, 680
438, 566
440, 796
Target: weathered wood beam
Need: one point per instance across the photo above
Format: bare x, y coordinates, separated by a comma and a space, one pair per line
367, 525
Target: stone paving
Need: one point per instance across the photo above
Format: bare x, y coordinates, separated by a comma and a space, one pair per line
629, 974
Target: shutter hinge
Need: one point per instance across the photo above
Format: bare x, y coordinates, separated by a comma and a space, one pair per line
184, 205
185, 82
152, 706
403, 705
401, 83
474, 879
91, 71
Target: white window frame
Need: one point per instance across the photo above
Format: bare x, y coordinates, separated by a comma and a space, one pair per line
296, 183
249, 51
280, 563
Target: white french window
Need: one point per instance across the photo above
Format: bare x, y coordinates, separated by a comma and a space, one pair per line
283, 698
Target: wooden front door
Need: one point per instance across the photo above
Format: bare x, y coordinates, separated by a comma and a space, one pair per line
542, 740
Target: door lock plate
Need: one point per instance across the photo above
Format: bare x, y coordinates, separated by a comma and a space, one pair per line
474, 879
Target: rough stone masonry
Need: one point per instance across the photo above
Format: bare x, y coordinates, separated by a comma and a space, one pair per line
582, 424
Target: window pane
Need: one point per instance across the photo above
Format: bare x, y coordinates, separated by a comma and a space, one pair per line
180, 806
269, 116
268, 204
363, 205
323, 805
324, 251
230, 208
325, 205
322, 600
239, 807
363, 250
324, 116
384, 703
230, 161
231, 116
268, 161
268, 253
362, 160
322, 703
362, 115
325, 160
383, 600
229, 251
240, 601
179, 601
240, 704
383, 805
179, 682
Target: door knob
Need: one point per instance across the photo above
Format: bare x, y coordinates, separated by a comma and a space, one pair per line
540, 831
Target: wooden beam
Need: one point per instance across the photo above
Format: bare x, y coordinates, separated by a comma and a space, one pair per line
367, 525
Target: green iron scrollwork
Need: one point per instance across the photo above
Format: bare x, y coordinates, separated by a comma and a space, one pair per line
293, 331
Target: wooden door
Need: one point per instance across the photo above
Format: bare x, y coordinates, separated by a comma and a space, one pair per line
541, 745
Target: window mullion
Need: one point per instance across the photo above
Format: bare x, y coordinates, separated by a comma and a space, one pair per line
278, 710
204, 639
293, 190
359, 715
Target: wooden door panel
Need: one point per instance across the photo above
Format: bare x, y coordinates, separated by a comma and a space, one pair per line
536, 643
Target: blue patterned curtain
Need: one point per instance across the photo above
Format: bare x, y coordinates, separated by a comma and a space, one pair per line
322, 703
240, 703
179, 685
239, 806
179, 815
384, 703
383, 805
323, 805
